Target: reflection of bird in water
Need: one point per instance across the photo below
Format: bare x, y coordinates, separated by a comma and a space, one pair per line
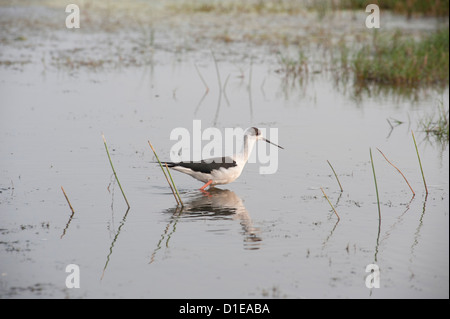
218, 203
214, 204
221, 170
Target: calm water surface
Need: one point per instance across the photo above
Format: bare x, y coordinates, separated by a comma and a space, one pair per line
271, 236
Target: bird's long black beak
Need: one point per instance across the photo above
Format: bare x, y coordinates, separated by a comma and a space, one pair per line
264, 139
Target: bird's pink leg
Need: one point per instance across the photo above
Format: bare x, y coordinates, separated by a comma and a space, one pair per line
206, 185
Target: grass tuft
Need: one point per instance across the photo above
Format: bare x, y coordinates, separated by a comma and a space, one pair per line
438, 127
394, 60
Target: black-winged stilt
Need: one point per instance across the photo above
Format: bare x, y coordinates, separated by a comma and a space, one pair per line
221, 170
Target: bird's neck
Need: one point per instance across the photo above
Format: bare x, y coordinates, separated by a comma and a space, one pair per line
246, 150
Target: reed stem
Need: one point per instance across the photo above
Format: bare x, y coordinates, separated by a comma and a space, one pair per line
176, 190
420, 163
170, 185
330, 204
114, 171
414, 194
376, 186
67, 199
335, 176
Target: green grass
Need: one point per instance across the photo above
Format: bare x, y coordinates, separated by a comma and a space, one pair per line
397, 60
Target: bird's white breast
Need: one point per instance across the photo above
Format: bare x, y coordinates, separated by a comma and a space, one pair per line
225, 175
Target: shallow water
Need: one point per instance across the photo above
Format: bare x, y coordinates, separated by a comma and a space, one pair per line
271, 236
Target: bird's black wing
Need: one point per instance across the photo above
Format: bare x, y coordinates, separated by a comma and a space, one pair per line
205, 166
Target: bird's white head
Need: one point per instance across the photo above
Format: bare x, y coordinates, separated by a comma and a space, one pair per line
254, 134
251, 136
